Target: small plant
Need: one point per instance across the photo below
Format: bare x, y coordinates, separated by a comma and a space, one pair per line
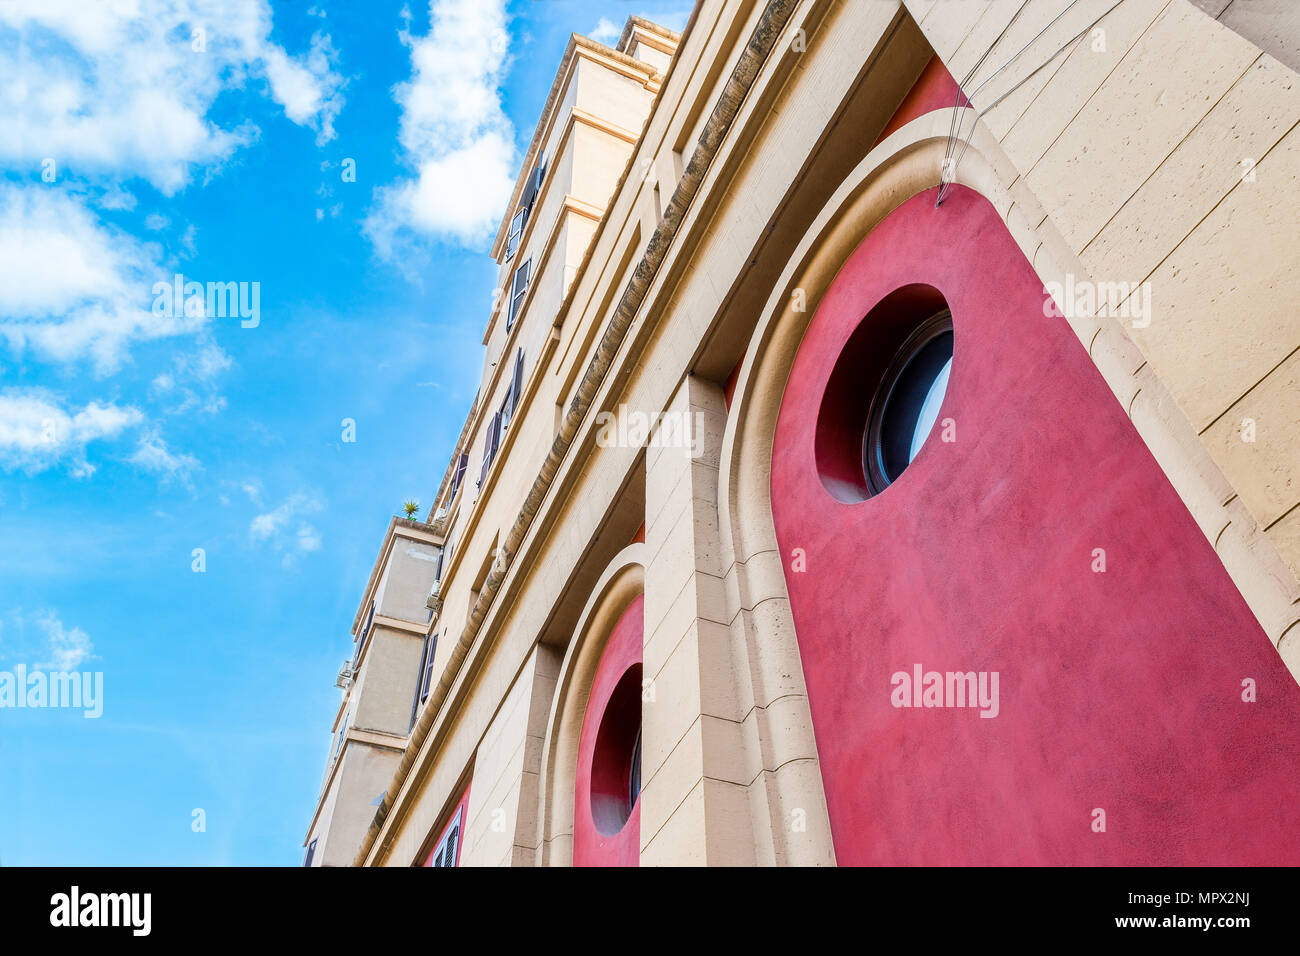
411, 507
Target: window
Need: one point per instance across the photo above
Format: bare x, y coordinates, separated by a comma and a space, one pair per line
365, 634
616, 756
534, 184
906, 405
446, 853
430, 650
516, 232
343, 734
885, 394
513, 392
517, 289
491, 442
634, 778
459, 476
311, 853
426, 675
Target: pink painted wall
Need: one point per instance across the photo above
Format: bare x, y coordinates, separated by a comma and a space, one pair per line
935, 89
1119, 690
615, 705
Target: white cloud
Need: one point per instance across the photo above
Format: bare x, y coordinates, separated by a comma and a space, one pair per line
454, 133
153, 455
308, 538
308, 89
273, 526
607, 32
69, 648
38, 432
124, 86
74, 287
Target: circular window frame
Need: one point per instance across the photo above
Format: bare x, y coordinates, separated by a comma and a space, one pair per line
873, 437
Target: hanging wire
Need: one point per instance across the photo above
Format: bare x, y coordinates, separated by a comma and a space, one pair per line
966, 81
948, 176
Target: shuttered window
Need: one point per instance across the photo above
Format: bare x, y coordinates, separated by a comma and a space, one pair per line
426, 679
491, 442
515, 390
458, 477
517, 289
445, 854
516, 231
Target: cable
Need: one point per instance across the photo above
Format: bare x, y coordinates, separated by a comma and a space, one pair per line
945, 179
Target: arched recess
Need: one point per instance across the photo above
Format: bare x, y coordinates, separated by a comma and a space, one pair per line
795, 829
1028, 817
621, 585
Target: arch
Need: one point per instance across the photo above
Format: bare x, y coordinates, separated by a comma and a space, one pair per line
607, 818
893, 175
620, 585
796, 824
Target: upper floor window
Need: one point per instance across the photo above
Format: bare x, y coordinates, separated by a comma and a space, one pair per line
532, 186
458, 477
491, 442
363, 637
343, 734
517, 289
516, 232
513, 393
426, 679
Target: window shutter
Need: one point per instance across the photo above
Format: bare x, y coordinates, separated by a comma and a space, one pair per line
437, 571
461, 462
517, 381
534, 184
517, 289
420, 682
449, 857
490, 444
516, 233
430, 650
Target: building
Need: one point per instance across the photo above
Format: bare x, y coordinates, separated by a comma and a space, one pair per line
859, 476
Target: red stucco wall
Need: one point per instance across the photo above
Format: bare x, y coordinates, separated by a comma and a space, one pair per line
935, 89
620, 661
1119, 690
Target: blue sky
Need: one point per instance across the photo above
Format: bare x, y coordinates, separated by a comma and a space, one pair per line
209, 138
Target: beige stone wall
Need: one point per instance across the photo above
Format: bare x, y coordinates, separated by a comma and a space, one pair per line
1113, 162
387, 684
501, 826
361, 779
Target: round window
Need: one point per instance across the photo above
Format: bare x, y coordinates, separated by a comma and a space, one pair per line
616, 758
906, 405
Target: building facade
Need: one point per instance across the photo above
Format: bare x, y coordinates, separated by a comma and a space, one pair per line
887, 452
